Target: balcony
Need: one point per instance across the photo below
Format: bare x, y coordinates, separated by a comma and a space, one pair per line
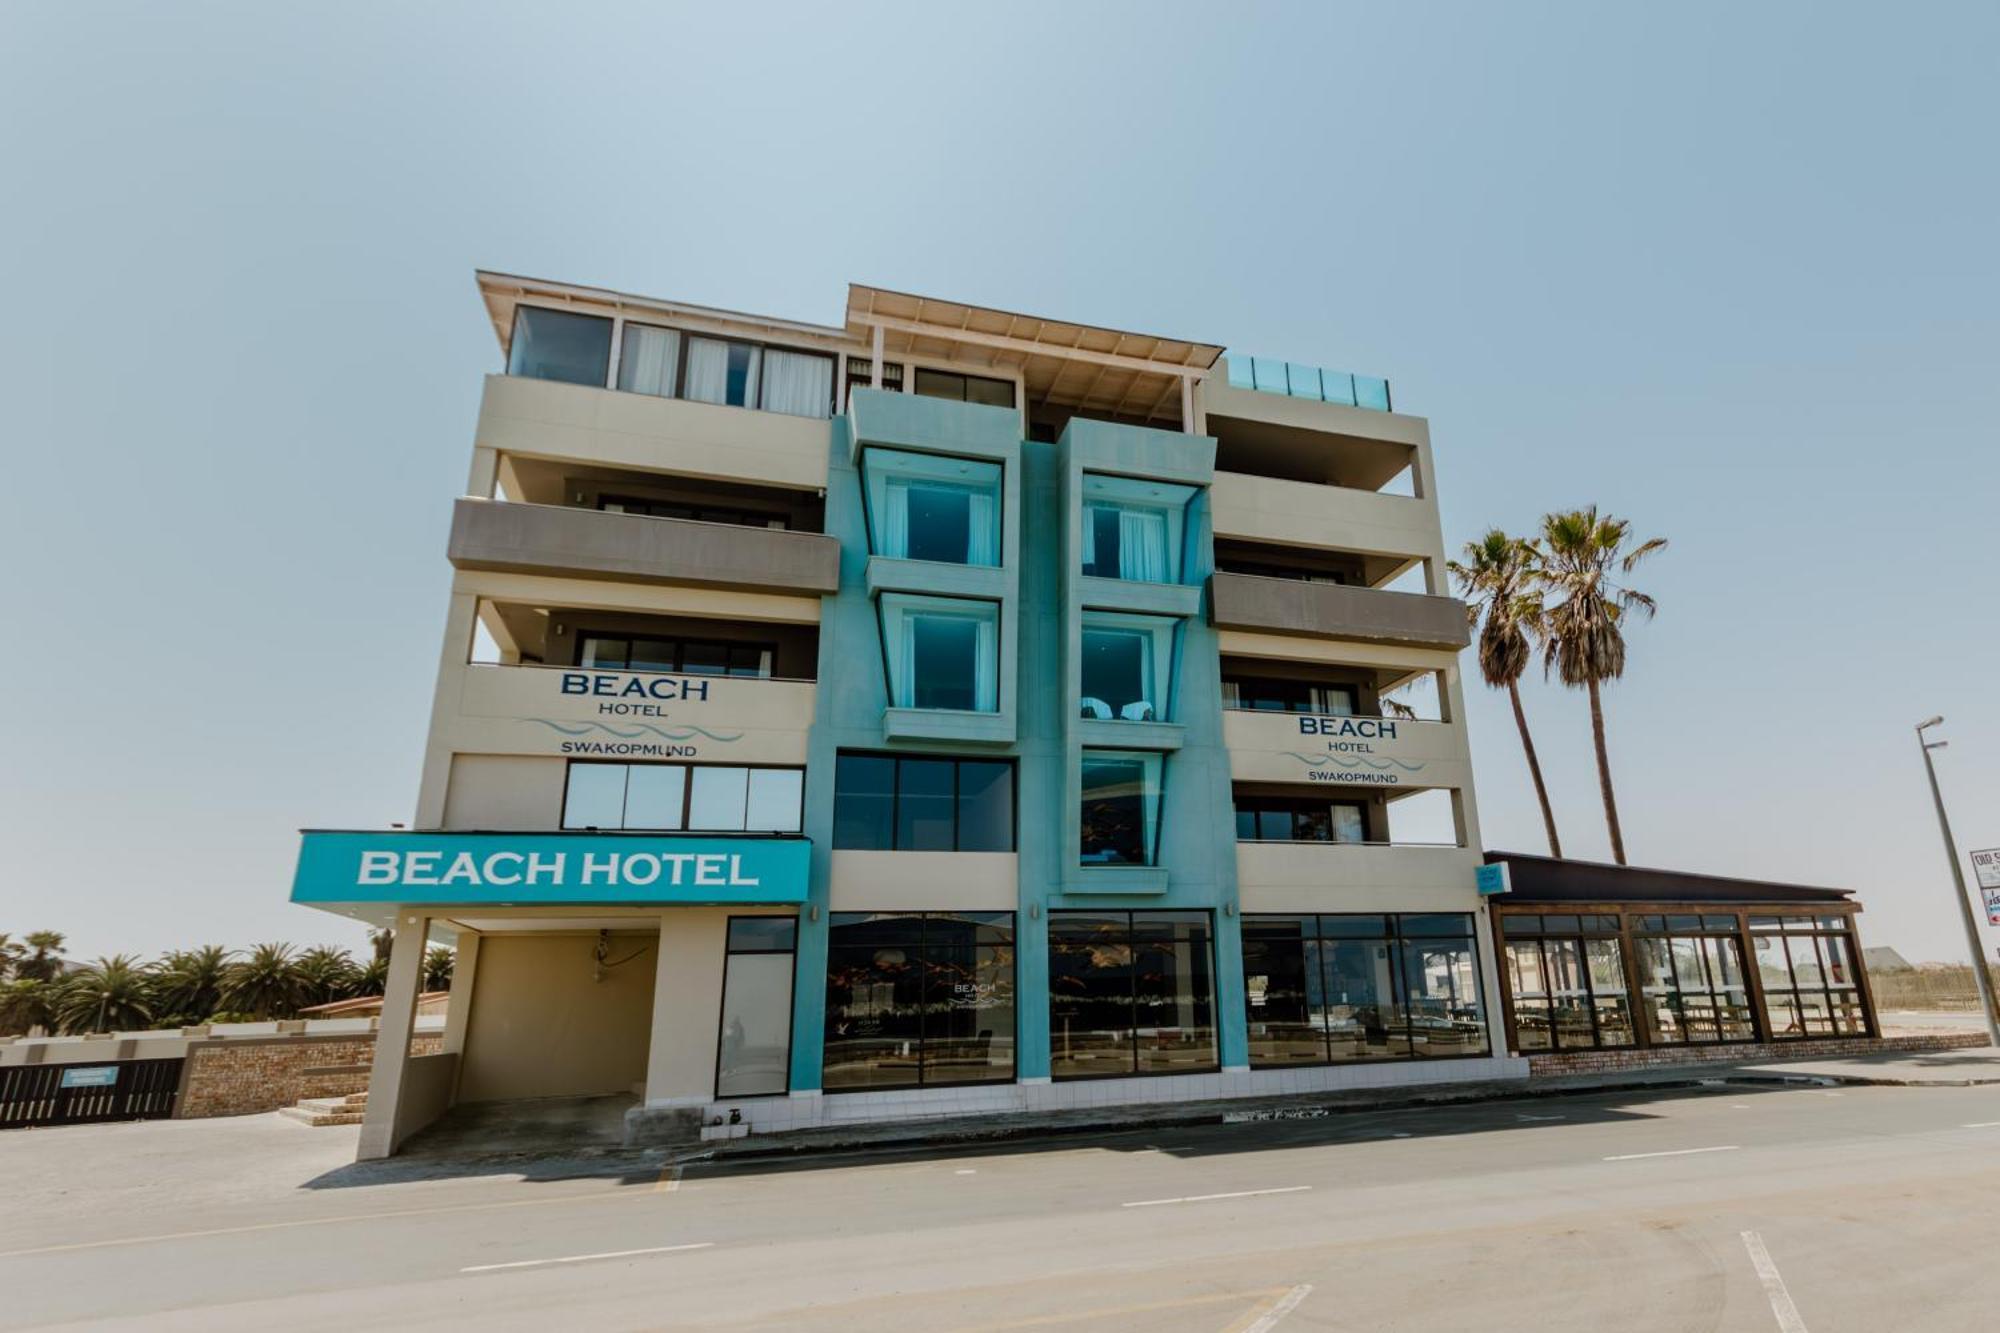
532, 418
587, 543
1371, 752
585, 712
1292, 380
1333, 611
1317, 516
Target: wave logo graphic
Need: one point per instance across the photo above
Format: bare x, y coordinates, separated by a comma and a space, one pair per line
1352, 762
637, 730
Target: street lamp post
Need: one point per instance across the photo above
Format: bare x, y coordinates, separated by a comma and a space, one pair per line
1979, 976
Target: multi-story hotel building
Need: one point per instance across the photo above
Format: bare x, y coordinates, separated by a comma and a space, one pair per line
944, 711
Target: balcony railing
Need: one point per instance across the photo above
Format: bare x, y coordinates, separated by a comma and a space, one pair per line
1336, 611
1293, 380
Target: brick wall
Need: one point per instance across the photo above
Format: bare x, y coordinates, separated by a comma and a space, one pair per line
247, 1075
1662, 1057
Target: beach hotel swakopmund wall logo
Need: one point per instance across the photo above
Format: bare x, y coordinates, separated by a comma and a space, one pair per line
632, 713
1357, 750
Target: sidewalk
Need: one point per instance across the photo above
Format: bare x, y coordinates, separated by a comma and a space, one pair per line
1955, 1068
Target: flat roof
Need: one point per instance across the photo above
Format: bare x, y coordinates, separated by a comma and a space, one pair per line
1544, 879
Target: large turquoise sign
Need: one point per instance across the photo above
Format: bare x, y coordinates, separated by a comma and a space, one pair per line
533, 868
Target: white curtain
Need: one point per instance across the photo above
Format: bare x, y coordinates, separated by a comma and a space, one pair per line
798, 384
648, 359
1142, 545
985, 669
904, 689
983, 544
896, 518
708, 371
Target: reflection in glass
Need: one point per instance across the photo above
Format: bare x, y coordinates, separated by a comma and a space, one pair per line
560, 345
932, 507
918, 1000
942, 652
1131, 992
754, 1054
1120, 809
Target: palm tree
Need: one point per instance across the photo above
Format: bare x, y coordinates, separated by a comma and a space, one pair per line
11, 951
1583, 641
46, 963
27, 1004
372, 977
1498, 579
437, 968
325, 974
187, 983
111, 995
266, 984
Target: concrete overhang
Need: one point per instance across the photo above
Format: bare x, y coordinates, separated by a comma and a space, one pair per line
1335, 611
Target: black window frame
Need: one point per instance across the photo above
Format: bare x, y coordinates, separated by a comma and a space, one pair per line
612, 338
1297, 807
965, 383
1301, 704
1793, 925
1542, 929
681, 643
729, 950
700, 511
1131, 942
922, 920
958, 763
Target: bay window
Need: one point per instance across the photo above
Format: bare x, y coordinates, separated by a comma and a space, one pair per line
942, 652
559, 345
1127, 666
1120, 813
929, 507
1133, 529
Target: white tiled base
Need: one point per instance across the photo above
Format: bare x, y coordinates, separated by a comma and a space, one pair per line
771, 1115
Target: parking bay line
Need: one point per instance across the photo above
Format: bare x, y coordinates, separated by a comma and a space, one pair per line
1205, 1198
1672, 1152
1775, 1291
586, 1258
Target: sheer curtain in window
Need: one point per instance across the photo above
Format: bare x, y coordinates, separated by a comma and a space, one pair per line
985, 670
648, 360
708, 370
983, 547
1142, 545
797, 384
896, 518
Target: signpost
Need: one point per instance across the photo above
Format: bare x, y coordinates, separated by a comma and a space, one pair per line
90, 1076
1494, 879
1986, 869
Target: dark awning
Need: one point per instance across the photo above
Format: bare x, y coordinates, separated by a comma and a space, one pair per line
1543, 879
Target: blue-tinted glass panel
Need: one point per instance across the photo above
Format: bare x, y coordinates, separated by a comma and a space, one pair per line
924, 805
1371, 393
1270, 374
1338, 388
560, 345
864, 802
985, 806
1302, 381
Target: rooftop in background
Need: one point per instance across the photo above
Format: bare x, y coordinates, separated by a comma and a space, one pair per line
1543, 879
1293, 380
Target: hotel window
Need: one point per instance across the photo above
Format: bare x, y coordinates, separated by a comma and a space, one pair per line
1566, 975
1812, 987
943, 652
1285, 696
1127, 666
649, 360
1133, 529
703, 798
559, 345
698, 513
1336, 989
1131, 993
723, 372
1299, 819
929, 507
918, 1000
906, 803
687, 657
1691, 984
754, 1045
1120, 814
965, 388
861, 375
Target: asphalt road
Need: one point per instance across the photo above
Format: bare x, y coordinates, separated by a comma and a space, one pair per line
1732, 1208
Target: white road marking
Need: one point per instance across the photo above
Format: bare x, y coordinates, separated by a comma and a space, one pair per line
1675, 1152
1774, 1285
586, 1258
1541, 1117
1204, 1198
1286, 1304
1981, 1124
965, 1171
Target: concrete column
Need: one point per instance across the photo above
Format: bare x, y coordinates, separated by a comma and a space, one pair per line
392, 1039
464, 973
485, 470
453, 658
1232, 1015
1031, 993
687, 1007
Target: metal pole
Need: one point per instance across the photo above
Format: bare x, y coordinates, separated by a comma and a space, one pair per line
1972, 943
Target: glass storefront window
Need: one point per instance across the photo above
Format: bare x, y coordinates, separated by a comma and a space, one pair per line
913, 804
754, 1050
1806, 967
930, 507
1691, 980
1566, 979
1131, 993
1343, 988
1127, 665
943, 652
560, 345
1133, 529
1120, 808
918, 999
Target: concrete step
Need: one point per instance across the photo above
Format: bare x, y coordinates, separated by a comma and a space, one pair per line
350, 1116
335, 1105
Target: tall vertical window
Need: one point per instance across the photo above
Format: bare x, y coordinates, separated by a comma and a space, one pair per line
1691, 982
1566, 976
907, 803
799, 384
754, 1046
1127, 666
918, 999
943, 652
1120, 813
929, 507
723, 372
1323, 989
560, 345
649, 360
1806, 966
1133, 529
1131, 993
709, 798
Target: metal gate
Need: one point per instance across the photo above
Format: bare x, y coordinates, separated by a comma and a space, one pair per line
80, 1094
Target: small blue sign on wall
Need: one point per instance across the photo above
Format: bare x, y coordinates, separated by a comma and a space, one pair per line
1494, 879
90, 1076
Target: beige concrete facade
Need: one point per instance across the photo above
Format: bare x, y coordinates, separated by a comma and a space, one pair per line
548, 1020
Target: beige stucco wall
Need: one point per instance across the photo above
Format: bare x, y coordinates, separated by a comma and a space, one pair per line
491, 791
687, 1003
925, 881
542, 1025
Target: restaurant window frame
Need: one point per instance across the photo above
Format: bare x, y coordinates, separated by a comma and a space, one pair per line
919, 926
1843, 1011
1545, 933
1126, 950
1682, 939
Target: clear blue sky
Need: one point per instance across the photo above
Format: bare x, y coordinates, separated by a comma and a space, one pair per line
1725, 269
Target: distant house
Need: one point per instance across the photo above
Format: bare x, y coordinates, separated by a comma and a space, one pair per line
431, 1004
1882, 958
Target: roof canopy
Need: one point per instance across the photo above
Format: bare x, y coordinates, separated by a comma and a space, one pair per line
1543, 879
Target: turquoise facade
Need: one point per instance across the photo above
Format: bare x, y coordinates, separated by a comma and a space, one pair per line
1043, 596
